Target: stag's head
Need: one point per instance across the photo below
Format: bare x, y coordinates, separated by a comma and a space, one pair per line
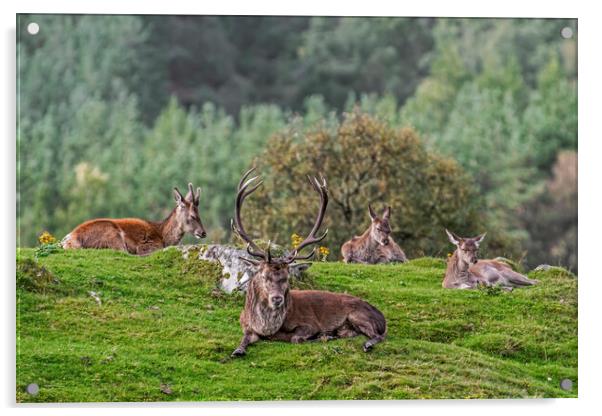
187, 211
467, 248
271, 279
380, 230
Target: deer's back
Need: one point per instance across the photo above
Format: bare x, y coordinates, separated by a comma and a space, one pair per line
483, 267
325, 310
121, 234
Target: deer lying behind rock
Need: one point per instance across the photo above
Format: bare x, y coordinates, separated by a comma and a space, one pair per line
275, 312
137, 236
466, 271
376, 244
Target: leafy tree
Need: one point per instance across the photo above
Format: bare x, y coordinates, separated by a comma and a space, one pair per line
207, 148
484, 134
70, 172
353, 54
75, 107
550, 119
78, 56
365, 162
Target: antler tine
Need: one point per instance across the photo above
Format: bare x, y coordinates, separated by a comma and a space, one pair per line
320, 187
236, 224
197, 196
190, 195
244, 177
309, 256
252, 253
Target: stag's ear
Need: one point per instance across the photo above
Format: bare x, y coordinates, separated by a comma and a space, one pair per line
177, 195
250, 262
479, 239
386, 213
454, 239
371, 213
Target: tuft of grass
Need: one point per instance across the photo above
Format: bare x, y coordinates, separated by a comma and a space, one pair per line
164, 332
33, 277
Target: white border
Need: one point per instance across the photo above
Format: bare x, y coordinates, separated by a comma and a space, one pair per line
590, 207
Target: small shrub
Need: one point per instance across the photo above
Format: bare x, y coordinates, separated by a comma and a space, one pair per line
48, 245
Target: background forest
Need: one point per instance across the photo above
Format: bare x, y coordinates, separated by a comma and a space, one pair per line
469, 124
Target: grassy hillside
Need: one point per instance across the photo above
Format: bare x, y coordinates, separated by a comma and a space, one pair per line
163, 332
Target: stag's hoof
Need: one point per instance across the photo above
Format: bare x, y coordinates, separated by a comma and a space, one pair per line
239, 352
367, 347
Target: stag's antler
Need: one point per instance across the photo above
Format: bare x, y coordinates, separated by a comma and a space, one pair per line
253, 249
243, 191
192, 196
319, 186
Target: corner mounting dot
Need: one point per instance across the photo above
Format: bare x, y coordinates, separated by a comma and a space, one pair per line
32, 389
566, 384
566, 32
33, 28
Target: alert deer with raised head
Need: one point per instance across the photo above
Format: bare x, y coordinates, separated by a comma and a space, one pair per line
141, 237
376, 245
273, 311
466, 271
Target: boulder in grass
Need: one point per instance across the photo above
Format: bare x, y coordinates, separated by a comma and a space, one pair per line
236, 273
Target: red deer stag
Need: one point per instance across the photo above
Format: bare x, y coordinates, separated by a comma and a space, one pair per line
274, 312
375, 245
466, 271
137, 236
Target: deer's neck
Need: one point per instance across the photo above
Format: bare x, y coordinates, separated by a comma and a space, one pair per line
171, 229
262, 319
457, 270
368, 242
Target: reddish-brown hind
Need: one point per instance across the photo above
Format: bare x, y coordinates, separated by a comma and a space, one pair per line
137, 236
466, 271
272, 311
376, 244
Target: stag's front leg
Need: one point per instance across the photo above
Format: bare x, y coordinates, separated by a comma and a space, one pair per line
248, 338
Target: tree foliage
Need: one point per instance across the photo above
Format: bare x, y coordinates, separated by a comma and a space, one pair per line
113, 111
365, 162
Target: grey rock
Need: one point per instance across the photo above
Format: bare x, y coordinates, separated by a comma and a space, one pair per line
543, 267
236, 273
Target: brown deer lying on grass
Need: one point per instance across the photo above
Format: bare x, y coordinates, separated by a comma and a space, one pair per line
137, 236
274, 312
375, 245
466, 271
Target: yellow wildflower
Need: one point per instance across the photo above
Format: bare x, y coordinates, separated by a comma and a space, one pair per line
324, 252
46, 238
296, 239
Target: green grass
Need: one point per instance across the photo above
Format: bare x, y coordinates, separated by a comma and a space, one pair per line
162, 325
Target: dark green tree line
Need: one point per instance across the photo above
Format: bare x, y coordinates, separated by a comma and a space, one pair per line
116, 110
